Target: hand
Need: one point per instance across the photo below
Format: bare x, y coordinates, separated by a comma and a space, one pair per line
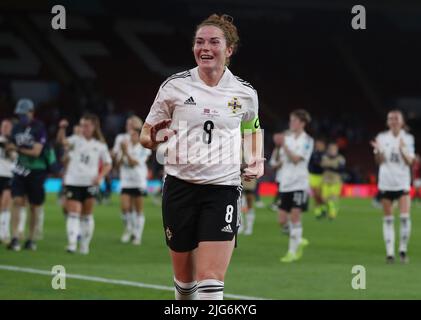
374, 144
255, 169
161, 131
124, 146
402, 144
10, 147
63, 124
97, 181
278, 139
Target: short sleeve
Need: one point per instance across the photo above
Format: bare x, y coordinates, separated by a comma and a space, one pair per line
72, 140
411, 145
117, 143
105, 155
161, 107
306, 149
252, 107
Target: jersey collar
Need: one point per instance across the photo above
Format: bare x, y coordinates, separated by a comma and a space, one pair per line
222, 82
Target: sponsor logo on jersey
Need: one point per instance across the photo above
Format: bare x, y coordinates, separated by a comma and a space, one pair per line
234, 104
190, 101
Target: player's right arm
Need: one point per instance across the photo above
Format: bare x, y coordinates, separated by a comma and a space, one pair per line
275, 161
157, 124
132, 162
378, 153
152, 135
61, 133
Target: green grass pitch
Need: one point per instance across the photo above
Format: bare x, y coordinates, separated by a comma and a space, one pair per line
354, 238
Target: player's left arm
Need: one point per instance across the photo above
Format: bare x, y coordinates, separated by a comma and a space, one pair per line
253, 147
294, 158
407, 151
106, 167
303, 155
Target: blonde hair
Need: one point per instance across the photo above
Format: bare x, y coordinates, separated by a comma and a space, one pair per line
137, 122
225, 23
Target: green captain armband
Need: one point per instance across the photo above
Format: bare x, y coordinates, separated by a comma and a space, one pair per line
252, 125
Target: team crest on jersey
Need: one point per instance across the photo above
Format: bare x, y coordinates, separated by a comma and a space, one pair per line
234, 104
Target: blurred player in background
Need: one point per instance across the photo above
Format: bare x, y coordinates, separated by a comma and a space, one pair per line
316, 177
29, 139
131, 159
82, 178
7, 157
64, 158
333, 165
209, 107
248, 198
127, 214
276, 164
131, 122
394, 151
296, 149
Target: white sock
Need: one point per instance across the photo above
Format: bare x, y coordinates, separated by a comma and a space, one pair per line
87, 226
73, 229
250, 216
2, 226
389, 235
295, 235
40, 223
22, 220
133, 219
405, 232
6, 224
139, 225
210, 289
185, 291
126, 217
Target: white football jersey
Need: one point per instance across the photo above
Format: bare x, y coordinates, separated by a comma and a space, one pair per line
84, 160
207, 148
134, 177
6, 164
295, 177
394, 173
118, 140
273, 161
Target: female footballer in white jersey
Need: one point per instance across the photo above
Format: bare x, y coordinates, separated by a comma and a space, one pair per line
199, 114
7, 157
82, 179
296, 149
131, 160
394, 152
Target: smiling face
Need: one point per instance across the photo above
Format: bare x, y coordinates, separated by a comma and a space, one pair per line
210, 48
395, 121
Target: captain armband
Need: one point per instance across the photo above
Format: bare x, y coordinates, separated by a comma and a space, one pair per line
251, 126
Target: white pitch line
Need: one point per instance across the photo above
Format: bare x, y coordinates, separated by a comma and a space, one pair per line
114, 281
